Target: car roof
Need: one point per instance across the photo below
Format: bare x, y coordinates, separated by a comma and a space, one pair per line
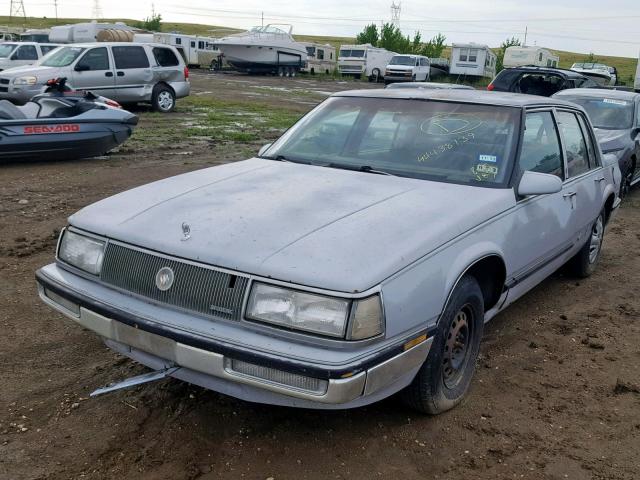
481, 97
599, 93
427, 85
533, 68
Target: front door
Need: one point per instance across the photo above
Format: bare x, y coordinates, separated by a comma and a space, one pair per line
94, 72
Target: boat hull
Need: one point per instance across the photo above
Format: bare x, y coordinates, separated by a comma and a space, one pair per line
262, 58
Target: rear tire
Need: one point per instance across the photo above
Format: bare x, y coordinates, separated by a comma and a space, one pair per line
627, 178
444, 378
584, 263
163, 99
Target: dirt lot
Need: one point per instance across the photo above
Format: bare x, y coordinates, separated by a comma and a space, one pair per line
556, 393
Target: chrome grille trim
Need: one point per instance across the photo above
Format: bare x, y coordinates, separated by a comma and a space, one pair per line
196, 288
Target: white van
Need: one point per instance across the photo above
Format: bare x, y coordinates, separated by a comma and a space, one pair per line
18, 54
537, 56
407, 68
364, 60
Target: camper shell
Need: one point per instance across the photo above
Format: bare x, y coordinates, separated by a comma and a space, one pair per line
536, 56
364, 61
321, 58
473, 60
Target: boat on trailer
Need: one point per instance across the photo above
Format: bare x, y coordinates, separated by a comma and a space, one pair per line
267, 49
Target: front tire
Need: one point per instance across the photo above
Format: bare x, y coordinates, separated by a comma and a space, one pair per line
586, 260
444, 378
163, 99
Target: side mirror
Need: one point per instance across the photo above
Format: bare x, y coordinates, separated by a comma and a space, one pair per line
82, 67
264, 148
534, 183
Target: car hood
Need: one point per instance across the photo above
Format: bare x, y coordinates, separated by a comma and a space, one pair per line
321, 227
613, 139
40, 72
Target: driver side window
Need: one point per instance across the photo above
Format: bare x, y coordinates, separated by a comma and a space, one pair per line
541, 145
95, 59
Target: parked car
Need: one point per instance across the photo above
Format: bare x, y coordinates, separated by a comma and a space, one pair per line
615, 116
357, 256
407, 68
429, 85
539, 80
125, 72
18, 54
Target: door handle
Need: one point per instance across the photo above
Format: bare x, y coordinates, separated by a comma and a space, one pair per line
569, 195
121, 74
598, 180
108, 74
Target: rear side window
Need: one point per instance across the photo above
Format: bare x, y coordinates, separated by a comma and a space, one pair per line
593, 159
26, 52
165, 57
95, 59
130, 57
575, 144
541, 147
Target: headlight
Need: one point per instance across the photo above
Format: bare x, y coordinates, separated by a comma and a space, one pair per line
82, 252
315, 313
25, 81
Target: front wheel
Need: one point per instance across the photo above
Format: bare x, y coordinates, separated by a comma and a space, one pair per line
163, 99
443, 380
586, 260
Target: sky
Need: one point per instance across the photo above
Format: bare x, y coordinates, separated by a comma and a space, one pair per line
602, 27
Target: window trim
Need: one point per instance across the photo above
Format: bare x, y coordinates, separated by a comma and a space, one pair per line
569, 179
584, 125
563, 162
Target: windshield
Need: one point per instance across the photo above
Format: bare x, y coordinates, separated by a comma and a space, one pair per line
403, 60
62, 57
352, 53
6, 49
607, 113
441, 141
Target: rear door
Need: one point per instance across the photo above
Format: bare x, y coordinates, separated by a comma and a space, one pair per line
584, 184
134, 77
166, 65
93, 71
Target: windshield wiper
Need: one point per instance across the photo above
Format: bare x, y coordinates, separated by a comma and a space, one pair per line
282, 158
357, 168
368, 169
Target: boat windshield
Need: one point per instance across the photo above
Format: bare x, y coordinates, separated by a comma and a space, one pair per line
6, 49
432, 140
62, 57
403, 60
606, 113
590, 66
268, 29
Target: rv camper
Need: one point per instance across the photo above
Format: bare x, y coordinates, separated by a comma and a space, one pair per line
320, 58
539, 57
33, 35
472, 60
364, 60
195, 50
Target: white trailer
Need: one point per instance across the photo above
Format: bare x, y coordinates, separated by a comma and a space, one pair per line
321, 58
472, 60
89, 32
195, 50
540, 57
364, 60
637, 84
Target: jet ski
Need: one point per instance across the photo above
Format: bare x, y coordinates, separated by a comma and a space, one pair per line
62, 124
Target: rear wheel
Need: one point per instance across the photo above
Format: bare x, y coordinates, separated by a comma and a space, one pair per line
443, 380
627, 178
163, 99
281, 71
375, 75
585, 261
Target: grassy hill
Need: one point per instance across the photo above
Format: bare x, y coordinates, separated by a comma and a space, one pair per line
626, 66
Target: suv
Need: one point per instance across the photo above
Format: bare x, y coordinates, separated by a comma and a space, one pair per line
18, 54
126, 72
543, 81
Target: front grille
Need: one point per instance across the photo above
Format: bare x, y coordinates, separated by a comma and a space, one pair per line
4, 81
196, 288
4, 89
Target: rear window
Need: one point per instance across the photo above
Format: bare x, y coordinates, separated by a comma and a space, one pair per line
165, 57
130, 57
539, 84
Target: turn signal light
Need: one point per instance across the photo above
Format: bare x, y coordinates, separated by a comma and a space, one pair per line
416, 341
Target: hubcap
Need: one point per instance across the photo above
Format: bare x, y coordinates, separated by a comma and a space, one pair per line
596, 239
457, 347
165, 100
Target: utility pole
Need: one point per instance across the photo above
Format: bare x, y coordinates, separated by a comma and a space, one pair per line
17, 9
526, 28
395, 13
55, 4
262, 19
97, 10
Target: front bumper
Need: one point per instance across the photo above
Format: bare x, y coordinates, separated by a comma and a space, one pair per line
20, 94
212, 366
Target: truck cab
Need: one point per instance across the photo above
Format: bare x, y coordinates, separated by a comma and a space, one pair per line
18, 54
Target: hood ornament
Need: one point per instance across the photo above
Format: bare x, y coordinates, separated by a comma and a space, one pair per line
186, 231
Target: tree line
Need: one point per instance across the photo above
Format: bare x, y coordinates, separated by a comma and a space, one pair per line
391, 38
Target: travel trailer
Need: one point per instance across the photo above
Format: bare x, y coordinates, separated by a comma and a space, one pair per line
195, 50
472, 60
537, 56
407, 68
364, 60
91, 32
321, 58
